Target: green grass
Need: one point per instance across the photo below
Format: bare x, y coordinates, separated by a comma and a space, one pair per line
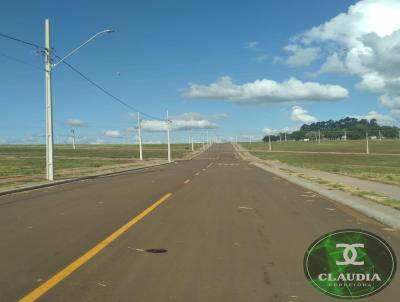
26, 163
383, 168
359, 146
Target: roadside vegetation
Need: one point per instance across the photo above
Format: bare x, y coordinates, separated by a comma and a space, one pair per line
382, 167
20, 164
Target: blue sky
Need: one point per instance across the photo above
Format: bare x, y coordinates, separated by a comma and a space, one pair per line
173, 54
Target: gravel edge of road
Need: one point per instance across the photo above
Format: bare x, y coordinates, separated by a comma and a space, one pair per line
379, 212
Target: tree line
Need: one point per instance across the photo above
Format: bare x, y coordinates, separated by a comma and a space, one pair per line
347, 128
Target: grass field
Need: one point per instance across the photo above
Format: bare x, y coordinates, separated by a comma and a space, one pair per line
382, 167
21, 164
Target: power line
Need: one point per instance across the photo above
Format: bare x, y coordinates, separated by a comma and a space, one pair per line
108, 93
21, 41
20, 61
75, 70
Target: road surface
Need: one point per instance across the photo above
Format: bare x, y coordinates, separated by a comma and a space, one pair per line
211, 229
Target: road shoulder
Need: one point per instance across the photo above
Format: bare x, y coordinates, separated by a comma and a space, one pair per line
380, 212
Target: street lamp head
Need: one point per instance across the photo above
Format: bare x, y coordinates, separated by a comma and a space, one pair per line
109, 31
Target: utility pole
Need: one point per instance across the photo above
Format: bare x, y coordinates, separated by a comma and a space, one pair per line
192, 144
169, 144
285, 137
319, 136
208, 141
269, 143
203, 142
73, 138
49, 111
366, 136
139, 126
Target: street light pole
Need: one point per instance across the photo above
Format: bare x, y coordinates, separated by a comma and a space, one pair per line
169, 144
73, 138
49, 111
140, 136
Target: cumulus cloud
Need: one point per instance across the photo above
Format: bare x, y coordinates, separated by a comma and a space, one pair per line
252, 45
73, 122
364, 42
382, 119
299, 56
176, 125
113, 134
301, 115
97, 141
185, 121
266, 91
270, 131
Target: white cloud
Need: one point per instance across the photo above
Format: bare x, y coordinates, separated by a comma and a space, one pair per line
332, 64
301, 115
300, 56
195, 116
364, 42
382, 119
176, 125
266, 91
395, 113
73, 122
113, 134
97, 141
252, 45
261, 58
392, 102
269, 131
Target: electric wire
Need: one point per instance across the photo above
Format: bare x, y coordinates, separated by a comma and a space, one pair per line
76, 71
107, 92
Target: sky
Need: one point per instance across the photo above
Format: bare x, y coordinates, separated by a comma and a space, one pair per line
232, 68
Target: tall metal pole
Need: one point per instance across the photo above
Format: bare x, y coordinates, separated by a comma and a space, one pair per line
140, 136
208, 141
269, 143
319, 136
49, 112
73, 138
366, 136
192, 144
169, 145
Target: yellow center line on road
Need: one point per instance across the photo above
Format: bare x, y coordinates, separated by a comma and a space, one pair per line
69, 269
198, 173
186, 181
209, 165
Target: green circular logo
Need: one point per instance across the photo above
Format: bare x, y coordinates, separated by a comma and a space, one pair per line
350, 264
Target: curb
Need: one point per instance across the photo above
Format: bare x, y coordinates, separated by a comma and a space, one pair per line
71, 180
383, 214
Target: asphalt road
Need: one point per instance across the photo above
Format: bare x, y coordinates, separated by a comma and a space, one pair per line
227, 231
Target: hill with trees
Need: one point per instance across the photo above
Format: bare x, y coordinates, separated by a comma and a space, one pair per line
347, 128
